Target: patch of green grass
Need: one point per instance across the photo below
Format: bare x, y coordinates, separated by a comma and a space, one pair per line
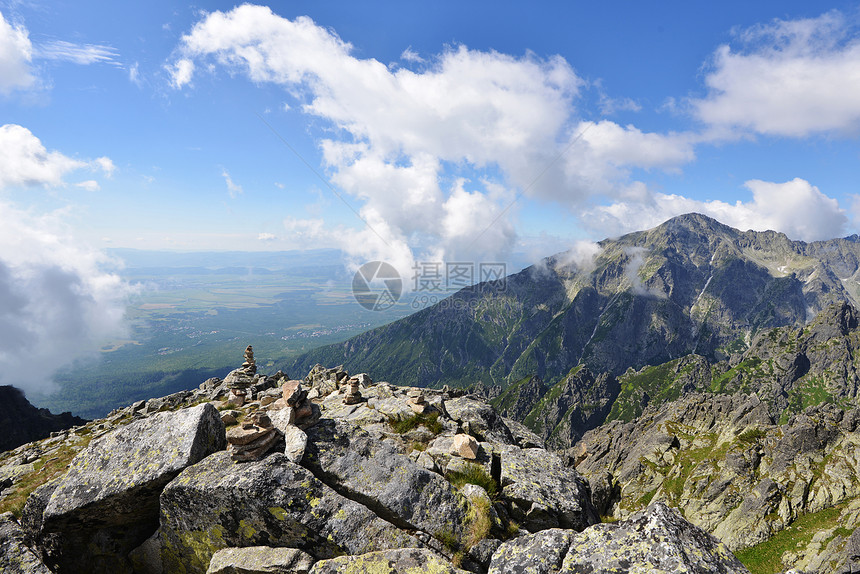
430, 421
45, 469
475, 475
766, 557
448, 539
752, 436
746, 369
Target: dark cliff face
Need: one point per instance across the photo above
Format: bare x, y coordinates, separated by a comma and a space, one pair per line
21, 422
690, 285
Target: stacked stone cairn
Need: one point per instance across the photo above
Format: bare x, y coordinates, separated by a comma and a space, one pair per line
417, 402
302, 412
253, 439
353, 392
239, 380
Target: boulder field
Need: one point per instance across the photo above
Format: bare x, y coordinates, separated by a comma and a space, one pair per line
362, 476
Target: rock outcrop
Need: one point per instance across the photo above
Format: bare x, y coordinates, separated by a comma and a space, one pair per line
107, 502
404, 480
21, 422
732, 471
656, 540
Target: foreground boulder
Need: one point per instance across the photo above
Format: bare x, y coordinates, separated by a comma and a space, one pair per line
403, 561
260, 559
355, 461
15, 556
656, 540
217, 504
107, 502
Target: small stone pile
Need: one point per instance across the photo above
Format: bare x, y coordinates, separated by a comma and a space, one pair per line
250, 365
253, 439
417, 402
303, 412
353, 392
239, 380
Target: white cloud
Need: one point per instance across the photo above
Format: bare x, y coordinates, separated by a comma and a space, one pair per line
24, 160
233, 188
788, 78
16, 53
180, 73
410, 55
134, 74
581, 256
267, 237
796, 208
89, 185
432, 157
56, 302
83, 54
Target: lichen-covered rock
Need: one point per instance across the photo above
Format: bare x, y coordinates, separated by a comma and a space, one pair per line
372, 470
539, 553
725, 464
260, 560
654, 541
479, 419
403, 561
15, 556
217, 504
106, 504
543, 491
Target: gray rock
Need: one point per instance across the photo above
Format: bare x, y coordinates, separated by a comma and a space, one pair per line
108, 499
146, 558
402, 561
539, 553
656, 540
389, 482
296, 441
479, 420
544, 492
260, 560
217, 504
15, 556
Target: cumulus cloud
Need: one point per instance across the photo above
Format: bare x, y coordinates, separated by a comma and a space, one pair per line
786, 78
434, 156
796, 208
267, 237
24, 160
16, 53
57, 304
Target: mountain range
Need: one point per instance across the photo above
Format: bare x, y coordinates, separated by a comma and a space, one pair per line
690, 285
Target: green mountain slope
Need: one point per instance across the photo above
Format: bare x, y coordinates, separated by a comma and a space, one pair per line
690, 285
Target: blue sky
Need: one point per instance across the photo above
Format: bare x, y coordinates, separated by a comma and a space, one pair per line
403, 131
195, 167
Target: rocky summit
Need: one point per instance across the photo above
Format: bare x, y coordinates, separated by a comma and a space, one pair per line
361, 476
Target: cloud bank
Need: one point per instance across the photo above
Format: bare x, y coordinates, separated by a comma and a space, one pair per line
787, 78
57, 304
435, 153
796, 208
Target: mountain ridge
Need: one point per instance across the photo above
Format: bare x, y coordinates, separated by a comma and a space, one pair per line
691, 284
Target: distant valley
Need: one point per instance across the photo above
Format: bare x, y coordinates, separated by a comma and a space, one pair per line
194, 311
